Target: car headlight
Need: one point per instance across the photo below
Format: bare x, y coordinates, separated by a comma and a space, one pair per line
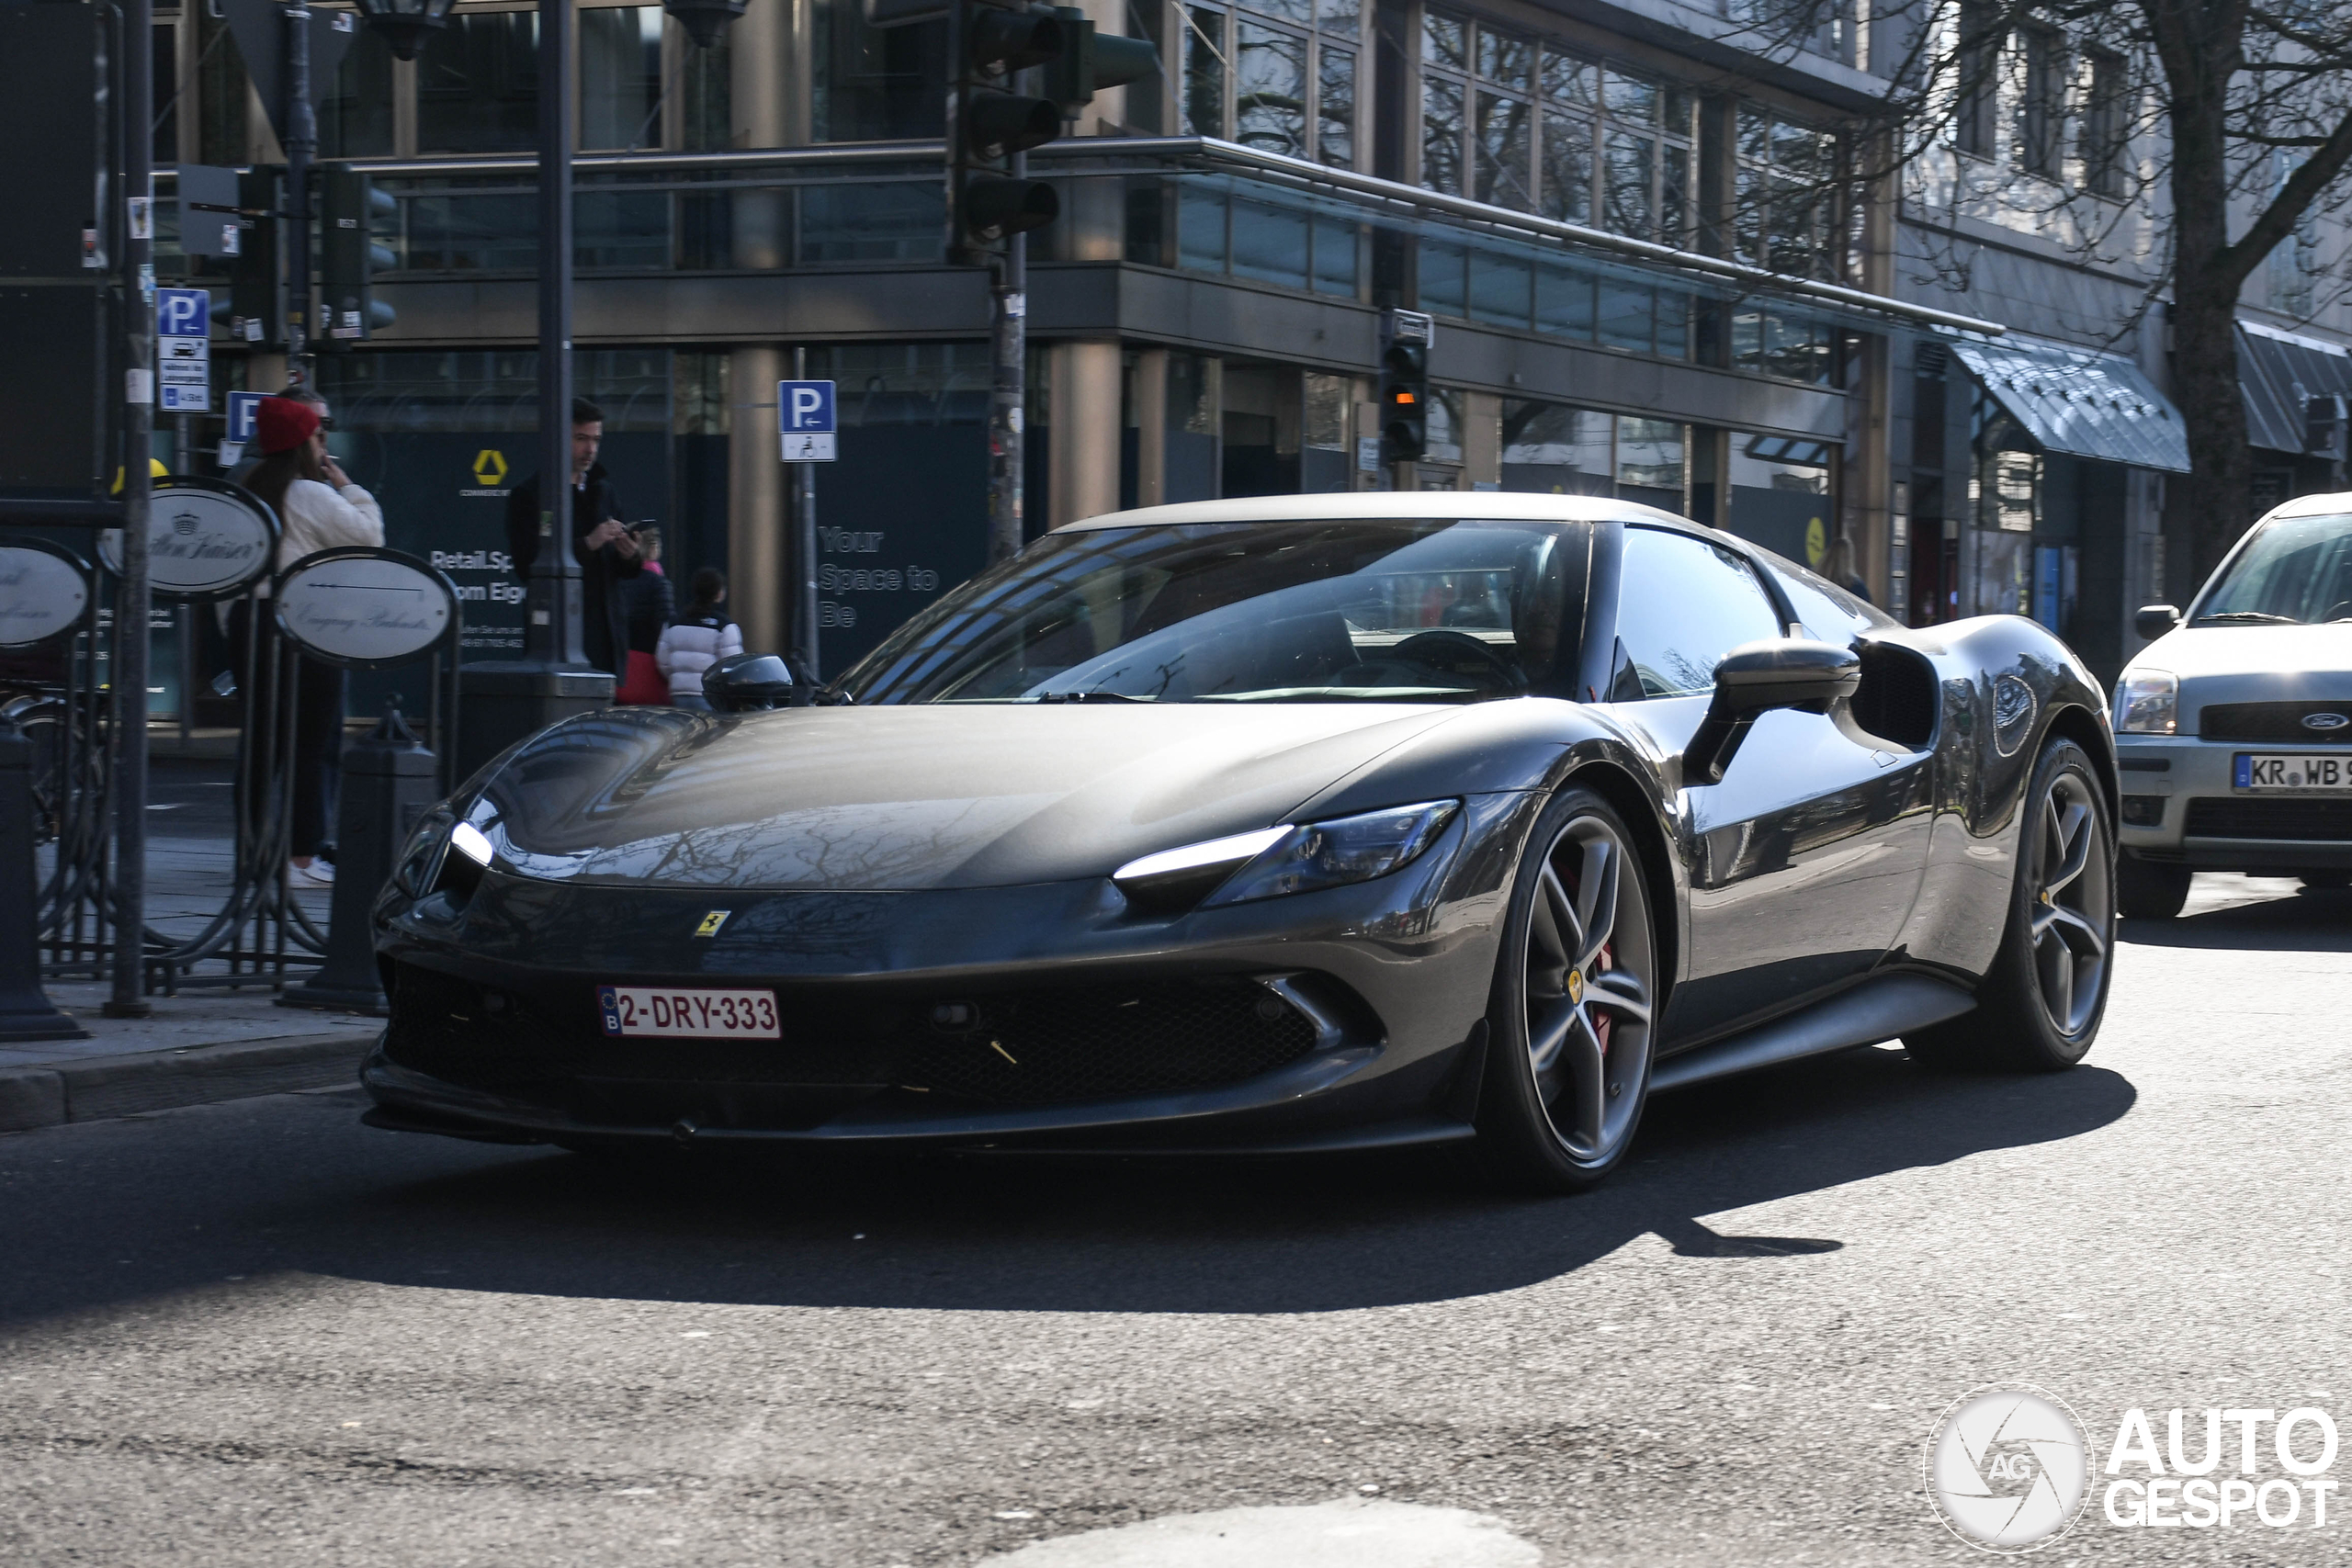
1293, 858
446, 854
421, 856
2147, 702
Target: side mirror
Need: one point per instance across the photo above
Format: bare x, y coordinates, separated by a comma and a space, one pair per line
747, 683
2154, 620
1757, 677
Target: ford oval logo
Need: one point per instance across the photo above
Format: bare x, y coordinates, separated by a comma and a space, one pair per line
2326, 721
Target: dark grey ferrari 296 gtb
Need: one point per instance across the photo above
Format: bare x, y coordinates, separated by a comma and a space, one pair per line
1285, 824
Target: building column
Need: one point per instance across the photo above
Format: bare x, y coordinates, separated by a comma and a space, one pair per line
1482, 439
1867, 501
763, 110
756, 565
1086, 421
1150, 415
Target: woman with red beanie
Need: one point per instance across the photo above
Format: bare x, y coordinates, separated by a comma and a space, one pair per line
318, 508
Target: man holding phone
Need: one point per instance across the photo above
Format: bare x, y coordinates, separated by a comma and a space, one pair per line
603, 545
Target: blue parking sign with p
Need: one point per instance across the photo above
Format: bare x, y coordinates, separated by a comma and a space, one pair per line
183, 312
804, 412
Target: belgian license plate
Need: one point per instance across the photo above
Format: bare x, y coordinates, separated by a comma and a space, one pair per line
688, 1012
2285, 772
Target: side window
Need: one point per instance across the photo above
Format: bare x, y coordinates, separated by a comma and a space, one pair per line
1682, 603
1828, 612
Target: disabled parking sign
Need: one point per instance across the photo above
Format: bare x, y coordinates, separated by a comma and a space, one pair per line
804, 412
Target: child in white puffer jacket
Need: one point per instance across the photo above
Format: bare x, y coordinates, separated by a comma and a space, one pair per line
699, 639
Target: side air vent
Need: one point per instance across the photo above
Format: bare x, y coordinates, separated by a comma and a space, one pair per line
1897, 700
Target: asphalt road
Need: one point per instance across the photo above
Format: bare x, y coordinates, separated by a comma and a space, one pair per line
257, 1333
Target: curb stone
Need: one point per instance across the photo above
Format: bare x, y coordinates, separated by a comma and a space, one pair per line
106, 1087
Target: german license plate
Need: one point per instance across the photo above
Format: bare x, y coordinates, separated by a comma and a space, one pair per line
688, 1012
2286, 773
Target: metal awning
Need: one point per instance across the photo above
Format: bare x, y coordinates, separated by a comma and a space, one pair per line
2079, 401
2279, 374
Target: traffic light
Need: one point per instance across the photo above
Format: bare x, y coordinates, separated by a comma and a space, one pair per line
349, 204
1092, 61
988, 125
1404, 387
257, 276
990, 122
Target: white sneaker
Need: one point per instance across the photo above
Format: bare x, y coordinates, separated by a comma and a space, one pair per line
318, 874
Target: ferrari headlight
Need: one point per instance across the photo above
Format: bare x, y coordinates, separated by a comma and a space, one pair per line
2147, 702
1333, 854
420, 857
1293, 858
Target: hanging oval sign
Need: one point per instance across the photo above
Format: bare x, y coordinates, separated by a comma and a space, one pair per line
365, 609
206, 539
44, 593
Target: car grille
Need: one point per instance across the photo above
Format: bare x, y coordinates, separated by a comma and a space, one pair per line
1037, 1047
2216, 818
2272, 721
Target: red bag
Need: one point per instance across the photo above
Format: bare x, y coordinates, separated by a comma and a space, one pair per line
643, 684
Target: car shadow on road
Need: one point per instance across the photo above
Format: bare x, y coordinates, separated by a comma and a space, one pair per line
2312, 920
277, 1186
1101, 1234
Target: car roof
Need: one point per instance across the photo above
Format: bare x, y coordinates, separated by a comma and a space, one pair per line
2313, 505
1371, 504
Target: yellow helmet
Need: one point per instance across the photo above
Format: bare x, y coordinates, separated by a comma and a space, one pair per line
155, 466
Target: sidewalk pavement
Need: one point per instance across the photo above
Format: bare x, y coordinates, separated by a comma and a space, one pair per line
204, 1043
196, 1047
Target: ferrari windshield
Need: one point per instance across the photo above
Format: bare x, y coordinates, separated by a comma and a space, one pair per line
2297, 570
1404, 609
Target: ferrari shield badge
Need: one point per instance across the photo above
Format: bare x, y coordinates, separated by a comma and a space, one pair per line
712, 921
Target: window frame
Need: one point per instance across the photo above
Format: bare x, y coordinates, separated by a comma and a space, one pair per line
1670, 129
1319, 38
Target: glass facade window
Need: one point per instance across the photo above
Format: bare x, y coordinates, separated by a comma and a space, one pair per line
1278, 76
478, 84
1509, 122
1650, 465
1268, 241
1780, 494
620, 78
875, 84
1769, 343
1552, 449
355, 115
1784, 206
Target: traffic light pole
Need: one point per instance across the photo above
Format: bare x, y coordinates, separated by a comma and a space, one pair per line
1008, 338
128, 675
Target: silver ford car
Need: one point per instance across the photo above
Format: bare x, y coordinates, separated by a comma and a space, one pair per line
2233, 728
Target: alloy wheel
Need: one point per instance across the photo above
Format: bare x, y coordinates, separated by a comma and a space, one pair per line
2073, 903
1590, 974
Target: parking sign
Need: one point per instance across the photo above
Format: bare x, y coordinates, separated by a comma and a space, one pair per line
804, 412
243, 409
184, 350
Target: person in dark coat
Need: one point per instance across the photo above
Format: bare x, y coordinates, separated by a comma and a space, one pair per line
650, 602
600, 541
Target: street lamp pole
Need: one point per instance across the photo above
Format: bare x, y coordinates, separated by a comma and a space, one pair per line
552, 640
127, 997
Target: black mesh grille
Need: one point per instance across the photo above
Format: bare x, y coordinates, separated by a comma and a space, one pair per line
2273, 721
2219, 818
1053, 1047
1041, 1046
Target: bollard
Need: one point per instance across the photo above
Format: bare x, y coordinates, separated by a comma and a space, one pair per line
388, 781
26, 1012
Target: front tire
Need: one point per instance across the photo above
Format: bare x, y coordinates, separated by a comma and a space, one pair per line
2146, 890
2038, 1007
1568, 1025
